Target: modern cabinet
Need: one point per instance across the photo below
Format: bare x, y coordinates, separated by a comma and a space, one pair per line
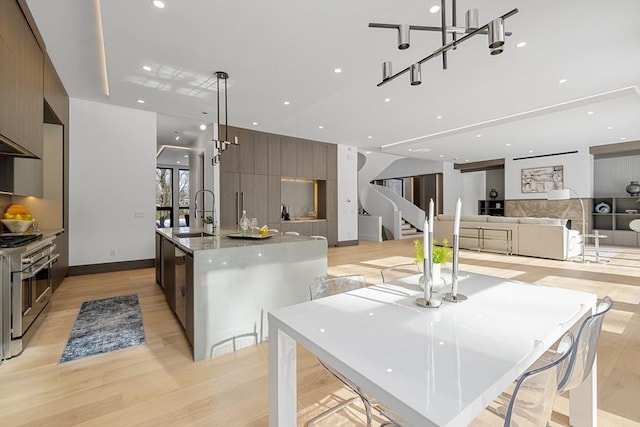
288, 157
491, 207
243, 192
21, 74
183, 287
251, 174
304, 158
169, 273
611, 216
174, 271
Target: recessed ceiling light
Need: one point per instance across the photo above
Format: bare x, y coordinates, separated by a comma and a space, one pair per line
177, 138
441, 155
186, 156
387, 99
337, 70
255, 123
203, 126
140, 101
531, 151
438, 117
434, 9
479, 136
589, 112
367, 152
286, 102
562, 81
146, 68
320, 127
178, 162
609, 127
508, 145
521, 44
410, 149
369, 137
159, 4
467, 160
622, 138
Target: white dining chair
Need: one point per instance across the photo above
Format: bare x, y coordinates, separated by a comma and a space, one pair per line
534, 393
584, 348
325, 287
291, 233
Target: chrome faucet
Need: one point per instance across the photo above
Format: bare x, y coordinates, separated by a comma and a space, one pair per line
213, 208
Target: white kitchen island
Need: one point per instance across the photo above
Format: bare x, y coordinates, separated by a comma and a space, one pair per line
237, 282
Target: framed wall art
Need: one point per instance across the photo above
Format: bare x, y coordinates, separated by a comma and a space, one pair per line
542, 179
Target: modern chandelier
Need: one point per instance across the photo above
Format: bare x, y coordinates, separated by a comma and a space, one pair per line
494, 29
221, 143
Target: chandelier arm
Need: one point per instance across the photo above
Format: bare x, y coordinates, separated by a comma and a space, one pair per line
453, 29
453, 18
443, 16
442, 50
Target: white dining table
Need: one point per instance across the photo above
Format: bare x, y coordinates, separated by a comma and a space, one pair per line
432, 367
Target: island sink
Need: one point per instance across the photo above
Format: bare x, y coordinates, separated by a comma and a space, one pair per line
192, 234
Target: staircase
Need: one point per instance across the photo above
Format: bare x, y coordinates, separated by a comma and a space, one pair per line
409, 231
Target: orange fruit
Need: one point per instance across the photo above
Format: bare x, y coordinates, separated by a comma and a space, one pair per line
17, 210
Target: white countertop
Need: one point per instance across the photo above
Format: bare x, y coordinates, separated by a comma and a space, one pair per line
220, 241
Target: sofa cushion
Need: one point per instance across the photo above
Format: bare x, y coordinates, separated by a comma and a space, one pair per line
446, 217
474, 218
505, 219
544, 221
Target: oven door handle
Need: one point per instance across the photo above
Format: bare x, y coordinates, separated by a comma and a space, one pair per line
49, 262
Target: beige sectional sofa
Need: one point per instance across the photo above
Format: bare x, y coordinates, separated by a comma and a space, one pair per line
537, 237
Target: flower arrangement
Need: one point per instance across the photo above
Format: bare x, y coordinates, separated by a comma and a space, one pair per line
441, 254
208, 220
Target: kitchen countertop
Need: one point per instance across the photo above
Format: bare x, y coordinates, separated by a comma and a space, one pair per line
220, 241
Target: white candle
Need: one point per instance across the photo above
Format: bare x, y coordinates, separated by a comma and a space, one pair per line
425, 239
431, 216
456, 219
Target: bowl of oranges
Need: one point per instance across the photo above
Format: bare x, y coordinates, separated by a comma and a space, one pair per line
17, 219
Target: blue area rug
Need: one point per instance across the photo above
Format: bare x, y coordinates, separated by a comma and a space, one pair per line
105, 325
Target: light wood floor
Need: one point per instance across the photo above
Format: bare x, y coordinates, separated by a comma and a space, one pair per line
157, 384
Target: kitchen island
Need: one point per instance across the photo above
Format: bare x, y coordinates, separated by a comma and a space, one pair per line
221, 288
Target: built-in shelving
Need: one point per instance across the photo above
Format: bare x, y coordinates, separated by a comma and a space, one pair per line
491, 207
615, 223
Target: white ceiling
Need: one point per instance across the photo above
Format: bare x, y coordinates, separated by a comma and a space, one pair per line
288, 49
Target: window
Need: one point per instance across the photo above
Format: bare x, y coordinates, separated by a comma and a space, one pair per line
164, 197
183, 197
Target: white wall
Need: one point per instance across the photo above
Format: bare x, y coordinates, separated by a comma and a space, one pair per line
473, 189
577, 168
451, 187
347, 193
111, 183
204, 175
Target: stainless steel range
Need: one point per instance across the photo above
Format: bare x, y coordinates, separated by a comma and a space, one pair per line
26, 273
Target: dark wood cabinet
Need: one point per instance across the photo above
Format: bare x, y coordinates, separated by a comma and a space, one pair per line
319, 161
612, 217
304, 159
288, 157
273, 142
168, 273
230, 210
491, 207
21, 74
